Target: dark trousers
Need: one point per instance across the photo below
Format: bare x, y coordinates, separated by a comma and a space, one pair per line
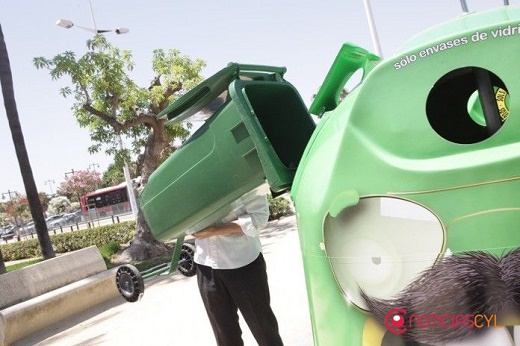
224, 291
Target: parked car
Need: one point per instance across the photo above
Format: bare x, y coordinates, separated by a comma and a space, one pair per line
52, 221
67, 219
9, 232
71, 218
28, 228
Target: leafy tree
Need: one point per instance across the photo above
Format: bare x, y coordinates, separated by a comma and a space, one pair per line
3, 215
6, 80
74, 206
79, 183
109, 103
18, 208
59, 205
113, 175
112, 105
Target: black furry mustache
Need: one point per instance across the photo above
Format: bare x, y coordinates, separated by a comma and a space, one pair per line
473, 282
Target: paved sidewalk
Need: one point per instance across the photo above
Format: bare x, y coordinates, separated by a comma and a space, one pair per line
171, 310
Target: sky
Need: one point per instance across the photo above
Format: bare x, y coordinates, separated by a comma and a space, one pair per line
303, 36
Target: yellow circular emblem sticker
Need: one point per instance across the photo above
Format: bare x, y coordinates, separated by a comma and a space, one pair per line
501, 97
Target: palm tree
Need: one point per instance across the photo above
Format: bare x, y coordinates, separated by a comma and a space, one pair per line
6, 80
3, 270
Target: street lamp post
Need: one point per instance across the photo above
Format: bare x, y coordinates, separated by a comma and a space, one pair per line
67, 24
10, 194
73, 172
50, 182
372, 27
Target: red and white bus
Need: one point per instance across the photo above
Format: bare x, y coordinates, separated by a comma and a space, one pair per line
107, 201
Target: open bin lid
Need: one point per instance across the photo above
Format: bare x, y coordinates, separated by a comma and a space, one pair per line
200, 96
203, 94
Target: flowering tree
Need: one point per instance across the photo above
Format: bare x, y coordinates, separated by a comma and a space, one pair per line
59, 205
3, 214
18, 208
79, 183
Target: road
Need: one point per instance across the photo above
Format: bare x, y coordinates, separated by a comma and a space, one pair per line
79, 226
171, 310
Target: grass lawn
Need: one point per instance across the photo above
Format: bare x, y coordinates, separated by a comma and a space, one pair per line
19, 265
141, 266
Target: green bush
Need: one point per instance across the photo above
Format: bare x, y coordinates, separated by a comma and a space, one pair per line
278, 207
21, 250
107, 238
71, 241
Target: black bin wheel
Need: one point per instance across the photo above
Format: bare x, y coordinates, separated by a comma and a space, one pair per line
187, 265
129, 282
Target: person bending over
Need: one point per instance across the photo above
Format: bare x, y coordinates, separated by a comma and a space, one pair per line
232, 276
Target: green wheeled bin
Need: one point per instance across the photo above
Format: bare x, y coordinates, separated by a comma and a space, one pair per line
257, 134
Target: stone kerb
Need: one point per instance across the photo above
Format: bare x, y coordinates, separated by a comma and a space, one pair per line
23, 319
42, 294
37, 279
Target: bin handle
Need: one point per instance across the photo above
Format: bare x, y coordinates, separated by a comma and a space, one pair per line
262, 68
350, 58
200, 96
254, 71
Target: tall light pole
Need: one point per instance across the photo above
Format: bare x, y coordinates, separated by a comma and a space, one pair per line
73, 172
67, 24
373, 29
10, 194
50, 182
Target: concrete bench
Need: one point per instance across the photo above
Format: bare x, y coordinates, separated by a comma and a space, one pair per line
45, 293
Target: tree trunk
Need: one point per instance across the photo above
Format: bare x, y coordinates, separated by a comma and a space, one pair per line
6, 80
144, 246
3, 270
156, 143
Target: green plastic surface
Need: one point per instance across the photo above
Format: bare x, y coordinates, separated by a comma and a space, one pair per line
410, 135
242, 145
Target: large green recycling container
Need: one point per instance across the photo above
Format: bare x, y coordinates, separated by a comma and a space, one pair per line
257, 134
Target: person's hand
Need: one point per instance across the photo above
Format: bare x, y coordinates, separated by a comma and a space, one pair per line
225, 229
205, 233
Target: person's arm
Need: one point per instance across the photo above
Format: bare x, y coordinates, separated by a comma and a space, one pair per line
224, 229
255, 218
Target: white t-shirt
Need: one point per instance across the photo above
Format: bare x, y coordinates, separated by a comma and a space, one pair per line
251, 213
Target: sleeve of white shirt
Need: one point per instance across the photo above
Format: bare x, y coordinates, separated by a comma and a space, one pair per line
257, 214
